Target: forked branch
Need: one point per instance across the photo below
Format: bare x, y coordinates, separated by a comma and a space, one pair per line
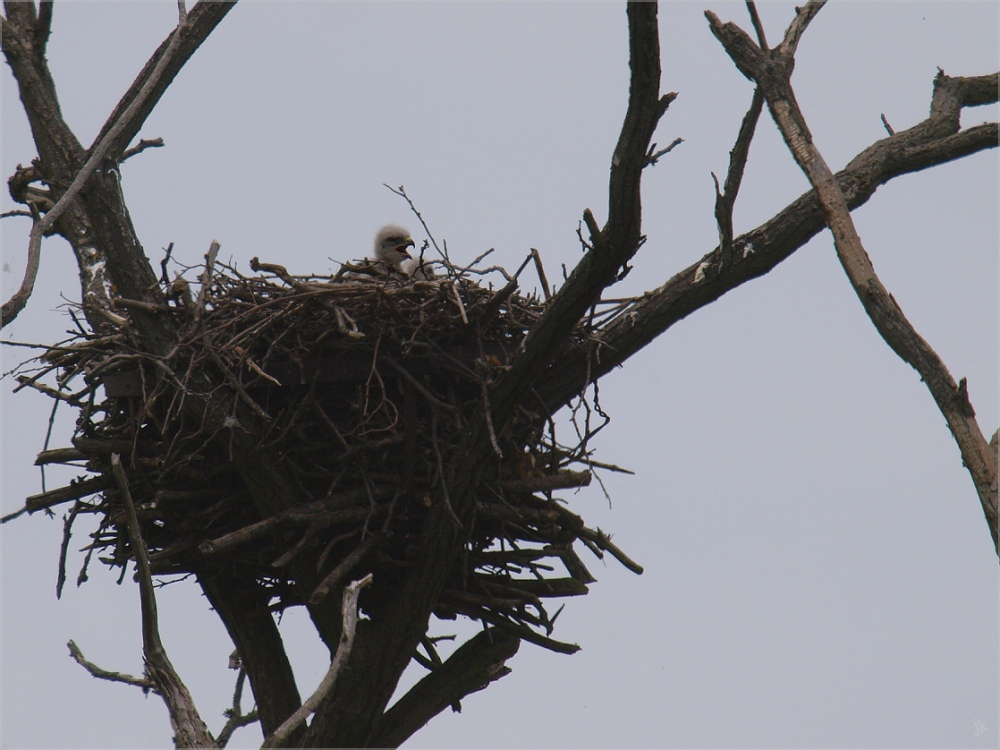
614, 245
189, 729
472, 667
350, 612
772, 72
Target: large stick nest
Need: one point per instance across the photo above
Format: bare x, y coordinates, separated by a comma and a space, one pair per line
365, 385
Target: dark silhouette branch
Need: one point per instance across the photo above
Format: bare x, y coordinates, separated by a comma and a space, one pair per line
17, 302
615, 244
242, 606
350, 612
725, 199
472, 667
194, 29
932, 142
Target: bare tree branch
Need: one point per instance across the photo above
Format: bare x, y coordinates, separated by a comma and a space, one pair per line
189, 729
196, 25
103, 674
472, 667
757, 25
618, 241
242, 606
236, 718
772, 71
931, 142
350, 613
141, 146
12, 307
725, 199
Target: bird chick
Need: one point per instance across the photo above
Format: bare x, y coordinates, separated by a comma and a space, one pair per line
390, 246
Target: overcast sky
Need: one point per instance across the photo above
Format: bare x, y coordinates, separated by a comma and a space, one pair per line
818, 568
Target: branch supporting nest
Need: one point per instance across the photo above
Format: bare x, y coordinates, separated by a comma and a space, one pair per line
367, 427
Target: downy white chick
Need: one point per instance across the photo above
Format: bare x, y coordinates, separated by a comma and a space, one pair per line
390, 246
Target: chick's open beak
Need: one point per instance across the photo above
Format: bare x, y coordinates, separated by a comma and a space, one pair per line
407, 242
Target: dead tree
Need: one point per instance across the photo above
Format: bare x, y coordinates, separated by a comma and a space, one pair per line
208, 439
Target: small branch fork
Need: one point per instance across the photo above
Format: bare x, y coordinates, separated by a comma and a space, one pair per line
40, 226
189, 729
725, 199
772, 71
350, 613
24, 38
161, 677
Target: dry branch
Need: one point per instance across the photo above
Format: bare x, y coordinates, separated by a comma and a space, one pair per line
932, 142
189, 729
472, 667
103, 674
340, 659
772, 71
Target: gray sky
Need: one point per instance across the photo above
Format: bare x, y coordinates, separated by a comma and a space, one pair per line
818, 569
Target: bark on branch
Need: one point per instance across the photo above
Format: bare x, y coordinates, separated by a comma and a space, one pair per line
620, 238
472, 667
772, 72
932, 142
189, 729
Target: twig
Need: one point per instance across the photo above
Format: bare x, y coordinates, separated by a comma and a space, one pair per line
757, 25
12, 516
236, 719
74, 491
441, 474
206, 276
541, 273
163, 264
725, 200
558, 481
141, 146
49, 391
431, 398
401, 191
103, 674
19, 299
64, 549
653, 156
461, 305
344, 567
488, 416
350, 622
888, 127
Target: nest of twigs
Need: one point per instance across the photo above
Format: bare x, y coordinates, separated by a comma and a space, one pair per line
365, 385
